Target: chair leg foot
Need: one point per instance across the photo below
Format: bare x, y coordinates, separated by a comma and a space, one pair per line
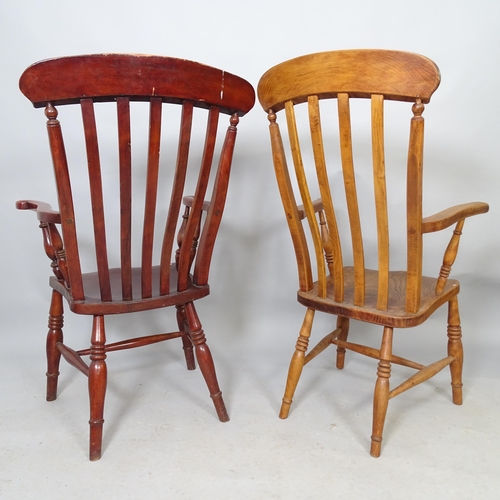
207, 368
455, 349
381, 394
297, 363
285, 408
205, 360
97, 387
95, 446
220, 407
52, 380
54, 336
376, 447
187, 345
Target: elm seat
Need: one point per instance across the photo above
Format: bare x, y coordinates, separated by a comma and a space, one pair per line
169, 265
332, 279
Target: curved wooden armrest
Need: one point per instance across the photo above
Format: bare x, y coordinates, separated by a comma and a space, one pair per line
43, 210
188, 201
317, 205
52, 241
447, 217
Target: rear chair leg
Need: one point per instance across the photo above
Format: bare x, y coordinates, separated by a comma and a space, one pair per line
381, 395
297, 363
187, 345
455, 349
343, 324
205, 361
54, 336
97, 386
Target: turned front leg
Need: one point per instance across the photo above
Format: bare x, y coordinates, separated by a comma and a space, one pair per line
54, 336
455, 349
205, 361
97, 386
297, 363
381, 395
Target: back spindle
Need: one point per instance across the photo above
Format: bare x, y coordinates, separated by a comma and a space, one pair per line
414, 208
66, 207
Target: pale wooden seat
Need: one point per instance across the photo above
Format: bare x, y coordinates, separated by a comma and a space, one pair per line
395, 315
142, 277
392, 298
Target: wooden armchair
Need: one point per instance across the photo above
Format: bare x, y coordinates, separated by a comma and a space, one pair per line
390, 298
157, 275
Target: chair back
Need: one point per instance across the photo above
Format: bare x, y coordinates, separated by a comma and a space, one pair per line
378, 75
157, 83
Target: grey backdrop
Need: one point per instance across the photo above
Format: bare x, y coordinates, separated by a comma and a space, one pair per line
252, 309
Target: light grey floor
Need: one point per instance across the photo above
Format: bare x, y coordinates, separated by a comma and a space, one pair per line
163, 440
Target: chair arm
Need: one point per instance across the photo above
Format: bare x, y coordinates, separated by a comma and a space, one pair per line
43, 210
317, 205
447, 217
52, 241
444, 219
188, 201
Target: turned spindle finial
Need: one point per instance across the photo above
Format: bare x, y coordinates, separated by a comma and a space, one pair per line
51, 112
418, 108
234, 120
271, 116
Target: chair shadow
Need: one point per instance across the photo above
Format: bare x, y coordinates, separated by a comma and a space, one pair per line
349, 395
